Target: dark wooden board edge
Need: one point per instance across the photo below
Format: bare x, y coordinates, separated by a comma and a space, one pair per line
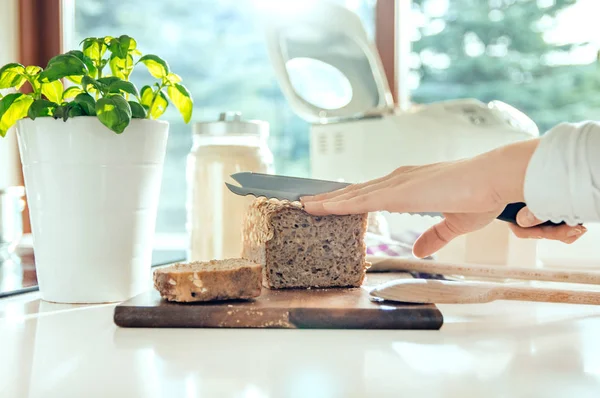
411, 317
425, 317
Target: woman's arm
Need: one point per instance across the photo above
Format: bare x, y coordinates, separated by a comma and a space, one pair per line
562, 182
556, 175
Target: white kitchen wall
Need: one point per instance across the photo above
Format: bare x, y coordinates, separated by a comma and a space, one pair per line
8, 53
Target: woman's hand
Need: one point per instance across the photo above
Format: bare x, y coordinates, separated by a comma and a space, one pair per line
528, 227
469, 193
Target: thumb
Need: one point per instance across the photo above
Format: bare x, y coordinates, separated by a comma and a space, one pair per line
434, 239
526, 219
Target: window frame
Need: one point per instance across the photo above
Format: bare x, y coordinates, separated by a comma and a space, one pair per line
38, 37
9, 163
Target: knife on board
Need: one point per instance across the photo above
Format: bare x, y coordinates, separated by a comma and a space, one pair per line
293, 188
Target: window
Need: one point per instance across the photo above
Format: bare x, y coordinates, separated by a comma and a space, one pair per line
531, 54
218, 49
536, 55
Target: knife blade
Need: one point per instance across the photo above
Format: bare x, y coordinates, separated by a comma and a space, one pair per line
293, 188
289, 188
294, 185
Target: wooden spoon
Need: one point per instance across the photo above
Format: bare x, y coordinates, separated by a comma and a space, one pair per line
382, 263
458, 292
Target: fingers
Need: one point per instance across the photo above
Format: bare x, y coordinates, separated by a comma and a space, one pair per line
563, 233
434, 239
528, 229
355, 199
364, 203
333, 194
354, 195
339, 192
526, 219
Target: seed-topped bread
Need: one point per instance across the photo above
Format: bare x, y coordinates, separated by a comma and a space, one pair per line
207, 281
299, 250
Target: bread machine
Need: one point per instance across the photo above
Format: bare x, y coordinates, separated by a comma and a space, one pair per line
332, 76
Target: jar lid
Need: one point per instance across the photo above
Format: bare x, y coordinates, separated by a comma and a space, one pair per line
231, 123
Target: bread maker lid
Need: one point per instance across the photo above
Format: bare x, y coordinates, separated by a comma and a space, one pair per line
325, 64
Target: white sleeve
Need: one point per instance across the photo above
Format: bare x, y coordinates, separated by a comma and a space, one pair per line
562, 182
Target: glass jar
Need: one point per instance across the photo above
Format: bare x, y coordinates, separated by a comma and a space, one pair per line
214, 214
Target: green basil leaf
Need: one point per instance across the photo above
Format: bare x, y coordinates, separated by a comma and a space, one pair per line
13, 107
62, 66
88, 63
32, 70
159, 106
94, 48
121, 46
12, 75
147, 95
172, 78
73, 110
108, 80
115, 48
91, 47
53, 90
156, 66
114, 112
41, 108
87, 81
137, 110
106, 40
35, 84
68, 110
87, 103
182, 99
121, 67
72, 92
122, 85
132, 42
60, 112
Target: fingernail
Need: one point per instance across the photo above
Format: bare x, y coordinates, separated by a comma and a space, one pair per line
574, 239
526, 218
576, 232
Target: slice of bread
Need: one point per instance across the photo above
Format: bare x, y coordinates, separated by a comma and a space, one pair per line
229, 279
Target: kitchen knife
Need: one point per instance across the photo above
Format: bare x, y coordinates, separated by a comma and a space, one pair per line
293, 188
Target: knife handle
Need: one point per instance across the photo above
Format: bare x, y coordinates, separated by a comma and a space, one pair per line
510, 214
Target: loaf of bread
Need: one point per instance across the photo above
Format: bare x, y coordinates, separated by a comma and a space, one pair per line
207, 281
299, 250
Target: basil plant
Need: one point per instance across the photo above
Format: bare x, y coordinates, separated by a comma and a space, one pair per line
94, 91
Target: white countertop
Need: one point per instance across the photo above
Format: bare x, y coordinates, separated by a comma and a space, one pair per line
501, 349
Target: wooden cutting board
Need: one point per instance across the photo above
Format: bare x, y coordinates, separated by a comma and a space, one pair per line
284, 309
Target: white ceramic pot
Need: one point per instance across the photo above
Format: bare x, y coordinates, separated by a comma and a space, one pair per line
93, 197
